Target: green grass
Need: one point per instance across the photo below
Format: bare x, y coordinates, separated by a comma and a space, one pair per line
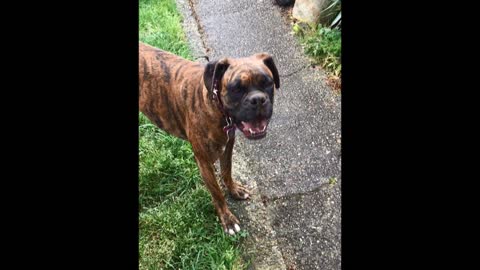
324, 47
159, 25
178, 228
321, 43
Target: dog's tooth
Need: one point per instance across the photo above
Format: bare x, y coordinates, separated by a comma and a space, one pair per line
265, 127
237, 228
231, 232
251, 131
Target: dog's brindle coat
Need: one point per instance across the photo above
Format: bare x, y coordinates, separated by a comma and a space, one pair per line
176, 95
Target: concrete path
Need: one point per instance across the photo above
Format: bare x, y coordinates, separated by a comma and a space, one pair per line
294, 217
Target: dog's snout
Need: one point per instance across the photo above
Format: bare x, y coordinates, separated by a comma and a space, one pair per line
258, 99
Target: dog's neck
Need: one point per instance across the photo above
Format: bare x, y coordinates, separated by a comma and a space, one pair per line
212, 99
229, 127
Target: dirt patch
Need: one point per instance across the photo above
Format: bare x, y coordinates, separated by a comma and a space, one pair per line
334, 82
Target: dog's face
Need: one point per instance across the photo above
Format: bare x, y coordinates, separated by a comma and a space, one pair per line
246, 87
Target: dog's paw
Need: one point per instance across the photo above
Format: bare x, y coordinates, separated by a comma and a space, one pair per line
230, 224
239, 192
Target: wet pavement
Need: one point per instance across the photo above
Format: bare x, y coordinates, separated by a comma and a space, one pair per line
294, 216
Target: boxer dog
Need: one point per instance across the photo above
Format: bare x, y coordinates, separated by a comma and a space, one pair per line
205, 104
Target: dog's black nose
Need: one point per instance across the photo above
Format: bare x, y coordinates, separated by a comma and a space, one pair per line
258, 99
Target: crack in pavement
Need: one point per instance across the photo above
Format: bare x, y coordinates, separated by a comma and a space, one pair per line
298, 194
200, 28
293, 72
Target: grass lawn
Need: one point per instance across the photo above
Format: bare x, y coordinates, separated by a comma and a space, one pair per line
178, 228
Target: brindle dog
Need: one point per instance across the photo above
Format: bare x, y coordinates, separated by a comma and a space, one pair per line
204, 104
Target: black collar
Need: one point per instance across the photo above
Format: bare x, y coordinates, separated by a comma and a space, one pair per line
229, 129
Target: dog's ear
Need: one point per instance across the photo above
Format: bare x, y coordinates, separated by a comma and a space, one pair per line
268, 61
217, 69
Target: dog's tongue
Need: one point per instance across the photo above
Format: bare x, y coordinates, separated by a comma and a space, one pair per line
255, 126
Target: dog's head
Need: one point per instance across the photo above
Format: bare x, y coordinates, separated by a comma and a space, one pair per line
246, 87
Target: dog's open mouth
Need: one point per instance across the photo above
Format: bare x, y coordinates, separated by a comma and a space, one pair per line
255, 129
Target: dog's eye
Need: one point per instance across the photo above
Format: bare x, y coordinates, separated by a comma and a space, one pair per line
235, 87
238, 89
268, 86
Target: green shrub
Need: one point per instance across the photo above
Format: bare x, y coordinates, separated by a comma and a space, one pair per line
323, 45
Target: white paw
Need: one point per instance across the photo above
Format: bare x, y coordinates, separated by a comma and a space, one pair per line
237, 228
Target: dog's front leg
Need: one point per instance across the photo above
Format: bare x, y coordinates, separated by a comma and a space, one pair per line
229, 222
236, 190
